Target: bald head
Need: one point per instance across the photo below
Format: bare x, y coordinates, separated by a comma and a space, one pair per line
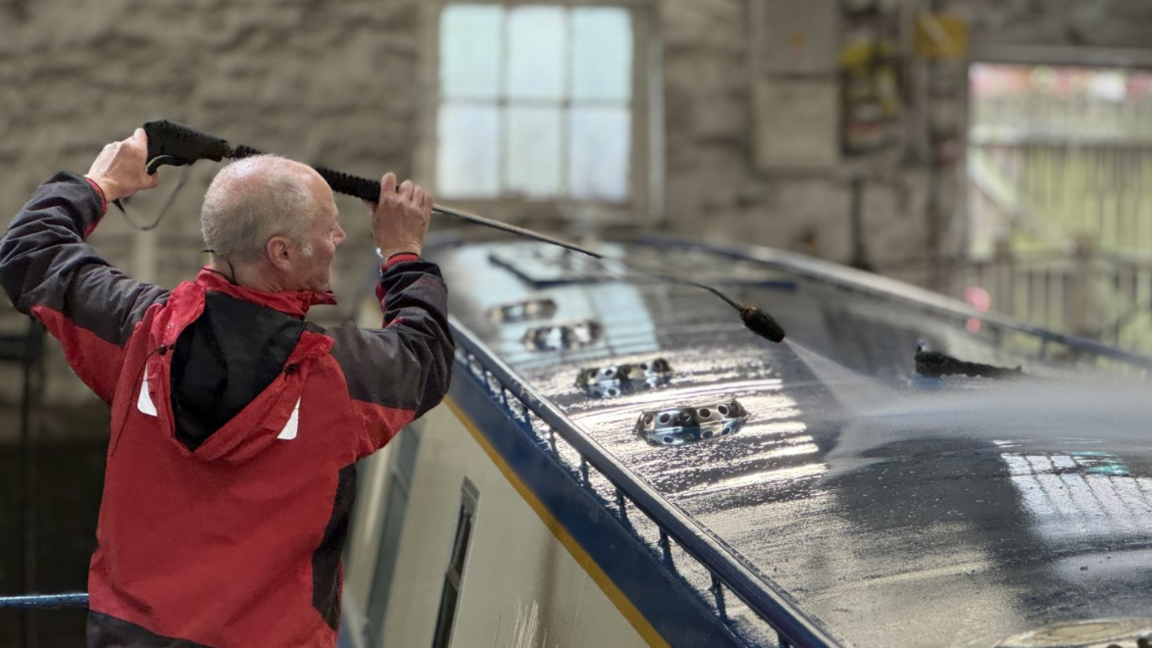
256, 198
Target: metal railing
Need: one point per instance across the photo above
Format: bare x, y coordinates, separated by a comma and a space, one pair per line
1104, 296
26, 350
44, 601
1044, 344
621, 492
1053, 165
1078, 296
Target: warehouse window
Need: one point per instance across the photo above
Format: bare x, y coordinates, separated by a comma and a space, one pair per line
539, 102
1059, 160
1059, 151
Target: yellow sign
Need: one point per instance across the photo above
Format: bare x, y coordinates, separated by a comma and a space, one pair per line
941, 36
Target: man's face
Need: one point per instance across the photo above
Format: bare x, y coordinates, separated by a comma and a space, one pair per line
315, 270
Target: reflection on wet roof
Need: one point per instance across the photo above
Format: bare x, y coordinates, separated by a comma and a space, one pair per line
964, 540
1083, 497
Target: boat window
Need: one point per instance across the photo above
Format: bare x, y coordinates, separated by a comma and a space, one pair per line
454, 577
400, 484
541, 102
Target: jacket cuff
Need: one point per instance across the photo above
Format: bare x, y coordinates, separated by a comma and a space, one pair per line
399, 257
395, 259
99, 192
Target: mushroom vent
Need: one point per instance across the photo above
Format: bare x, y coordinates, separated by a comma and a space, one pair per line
1117, 632
615, 380
559, 337
523, 311
675, 426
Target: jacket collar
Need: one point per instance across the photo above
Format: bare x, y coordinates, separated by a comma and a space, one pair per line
289, 302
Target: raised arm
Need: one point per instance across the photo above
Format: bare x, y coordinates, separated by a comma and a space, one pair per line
50, 273
398, 372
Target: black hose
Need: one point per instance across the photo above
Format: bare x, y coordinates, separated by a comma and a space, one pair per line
173, 143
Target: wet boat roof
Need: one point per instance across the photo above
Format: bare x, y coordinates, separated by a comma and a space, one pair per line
945, 536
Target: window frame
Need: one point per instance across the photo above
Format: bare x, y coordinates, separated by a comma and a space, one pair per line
457, 567
645, 165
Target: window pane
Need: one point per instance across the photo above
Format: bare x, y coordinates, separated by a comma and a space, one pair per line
533, 151
599, 142
453, 579
446, 616
601, 54
467, 162
537, 45
463, 533
470, 38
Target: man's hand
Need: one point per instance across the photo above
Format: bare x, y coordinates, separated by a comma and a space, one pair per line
120, 168
400, 219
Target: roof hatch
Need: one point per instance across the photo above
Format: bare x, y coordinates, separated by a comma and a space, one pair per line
673, 426
610, 381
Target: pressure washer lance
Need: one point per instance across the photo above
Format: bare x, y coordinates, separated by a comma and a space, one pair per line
175, 144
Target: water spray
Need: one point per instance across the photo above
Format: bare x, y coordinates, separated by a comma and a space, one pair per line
172, 143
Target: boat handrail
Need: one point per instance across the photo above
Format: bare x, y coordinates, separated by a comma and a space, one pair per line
793, 626
861, 281
44, 601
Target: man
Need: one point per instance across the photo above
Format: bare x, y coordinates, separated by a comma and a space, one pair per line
235, 423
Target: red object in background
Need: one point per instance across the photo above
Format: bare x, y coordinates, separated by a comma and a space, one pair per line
979, 299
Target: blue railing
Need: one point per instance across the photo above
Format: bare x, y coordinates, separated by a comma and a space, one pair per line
793, 627
44, 601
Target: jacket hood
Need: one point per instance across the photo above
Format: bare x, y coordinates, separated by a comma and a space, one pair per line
228, 366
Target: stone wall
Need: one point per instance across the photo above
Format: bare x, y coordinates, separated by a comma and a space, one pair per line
911, 205
296, 77
342, 83
1098, 23
710, 157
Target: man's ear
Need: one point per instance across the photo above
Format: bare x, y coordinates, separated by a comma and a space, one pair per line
278, 251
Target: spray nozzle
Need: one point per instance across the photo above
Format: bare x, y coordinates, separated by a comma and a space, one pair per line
756, 320
761, 323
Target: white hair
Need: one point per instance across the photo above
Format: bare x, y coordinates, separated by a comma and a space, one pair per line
251, 200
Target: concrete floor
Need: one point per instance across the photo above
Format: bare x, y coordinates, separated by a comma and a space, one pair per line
69, 478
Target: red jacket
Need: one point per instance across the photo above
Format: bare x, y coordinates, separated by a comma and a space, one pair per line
235, 429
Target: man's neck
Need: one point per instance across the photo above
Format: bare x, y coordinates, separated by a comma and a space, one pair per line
246, 276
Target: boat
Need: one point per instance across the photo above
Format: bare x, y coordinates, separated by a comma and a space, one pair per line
620, 462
